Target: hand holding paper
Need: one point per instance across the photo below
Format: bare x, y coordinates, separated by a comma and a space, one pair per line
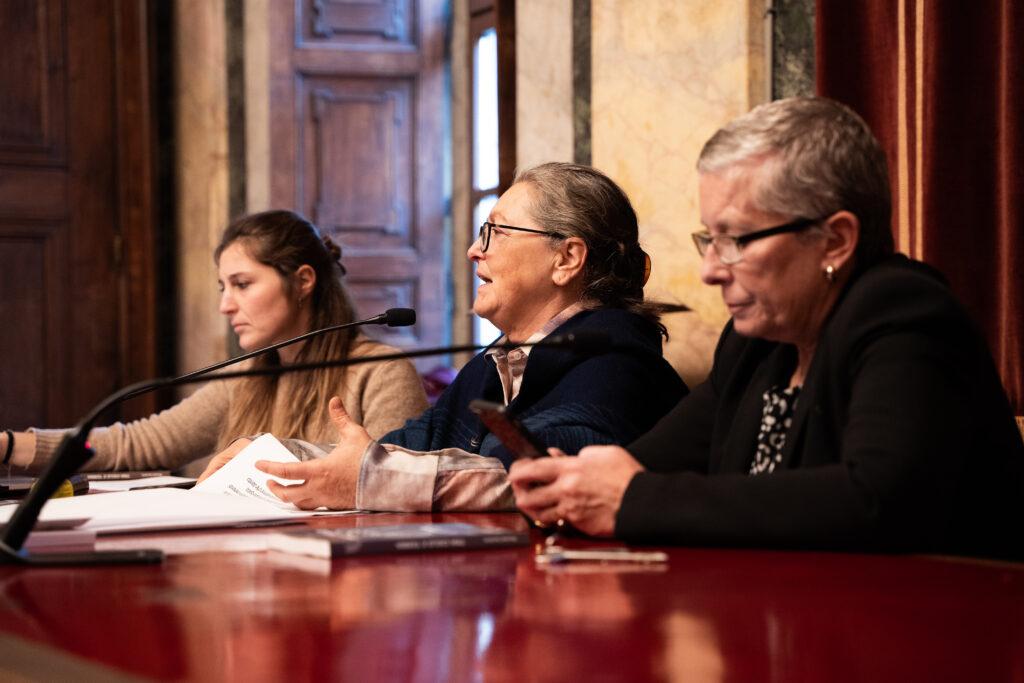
329, 482
239, 476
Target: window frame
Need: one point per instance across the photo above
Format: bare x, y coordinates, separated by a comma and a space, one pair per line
483, 16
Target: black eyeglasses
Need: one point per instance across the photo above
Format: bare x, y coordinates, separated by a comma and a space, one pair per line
730, 247
487, 227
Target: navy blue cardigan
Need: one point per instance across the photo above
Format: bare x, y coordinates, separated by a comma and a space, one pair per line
566, 399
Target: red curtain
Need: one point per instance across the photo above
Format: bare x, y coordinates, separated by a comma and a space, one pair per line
940, 83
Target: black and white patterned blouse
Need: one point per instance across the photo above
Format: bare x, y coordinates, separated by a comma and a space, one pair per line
776, 418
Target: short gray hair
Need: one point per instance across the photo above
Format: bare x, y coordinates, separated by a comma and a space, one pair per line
820, 157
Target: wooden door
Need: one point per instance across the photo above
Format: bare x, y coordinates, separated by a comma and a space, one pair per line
74, 208
357, 144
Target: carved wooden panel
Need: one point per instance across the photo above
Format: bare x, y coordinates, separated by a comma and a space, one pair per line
33, 192
32, 116
358, 129
376, 293
32, 291
73, 156
359, 22
356, 153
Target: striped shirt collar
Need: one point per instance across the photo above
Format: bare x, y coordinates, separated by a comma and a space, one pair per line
511, 363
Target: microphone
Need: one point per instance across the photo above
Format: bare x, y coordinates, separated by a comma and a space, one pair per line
398, 317
585, 342
393, 317
73, 453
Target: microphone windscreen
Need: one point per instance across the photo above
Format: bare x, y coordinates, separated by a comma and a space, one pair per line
583, 341
399, 317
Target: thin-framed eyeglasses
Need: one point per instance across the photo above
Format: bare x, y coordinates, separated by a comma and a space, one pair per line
487, 227
730, 247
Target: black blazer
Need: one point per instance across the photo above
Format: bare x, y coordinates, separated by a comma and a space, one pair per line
902, 437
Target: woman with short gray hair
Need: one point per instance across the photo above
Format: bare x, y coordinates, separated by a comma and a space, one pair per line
852, 404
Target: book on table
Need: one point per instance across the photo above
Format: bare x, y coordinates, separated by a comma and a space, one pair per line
121, 475
19, 487
397, 538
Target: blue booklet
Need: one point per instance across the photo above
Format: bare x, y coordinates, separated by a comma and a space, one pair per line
399, 538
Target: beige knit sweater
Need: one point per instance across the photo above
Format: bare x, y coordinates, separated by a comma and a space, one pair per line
380, 396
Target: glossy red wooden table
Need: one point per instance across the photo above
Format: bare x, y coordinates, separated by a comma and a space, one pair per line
496, 615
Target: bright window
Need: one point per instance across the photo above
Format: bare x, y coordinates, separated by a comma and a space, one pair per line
485, 151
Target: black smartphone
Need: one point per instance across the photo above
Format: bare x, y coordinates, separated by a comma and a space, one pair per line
508, 429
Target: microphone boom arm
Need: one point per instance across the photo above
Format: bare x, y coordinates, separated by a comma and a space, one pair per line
73, 453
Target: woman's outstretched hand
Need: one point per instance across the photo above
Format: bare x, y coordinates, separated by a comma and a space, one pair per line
326, 482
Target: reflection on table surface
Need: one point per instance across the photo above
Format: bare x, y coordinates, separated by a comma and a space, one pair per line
496, 615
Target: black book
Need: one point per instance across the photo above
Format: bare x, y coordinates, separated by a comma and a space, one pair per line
398, 538
126, 474
19, 487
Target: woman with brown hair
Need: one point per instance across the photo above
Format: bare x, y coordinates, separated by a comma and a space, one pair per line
279, 278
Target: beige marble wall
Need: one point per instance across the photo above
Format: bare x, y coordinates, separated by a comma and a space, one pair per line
543, 82
665, 75
201, 176
257, 105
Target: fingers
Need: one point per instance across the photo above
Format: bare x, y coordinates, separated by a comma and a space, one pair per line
549, 517
278, 490
339, 416
211, 467
546, 514
223, 458
536, 472
348, 429
556, 452
301, 495
286, 470
237, 447
306, 504
546, 489
214, 465
535, 484
538, 498
296, 494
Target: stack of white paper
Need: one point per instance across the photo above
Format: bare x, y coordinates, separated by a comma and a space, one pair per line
233, 495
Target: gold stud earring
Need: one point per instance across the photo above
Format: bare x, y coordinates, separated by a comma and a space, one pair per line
830, 273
